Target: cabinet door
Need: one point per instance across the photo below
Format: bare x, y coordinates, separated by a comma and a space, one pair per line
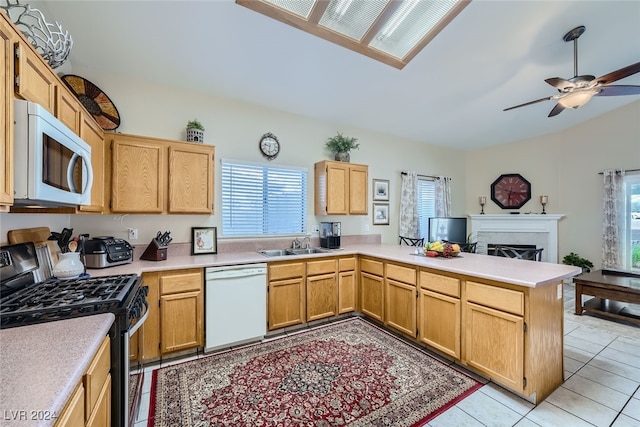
180, 321
400, 304
322, 296
134, 344
93, 135
137, 176
36, 81
346, 291
358, 192
68, 109
337, 197
191, 178
286, 303
439, 322
494, 344
101, 415
73, 413
7, 39
372, 295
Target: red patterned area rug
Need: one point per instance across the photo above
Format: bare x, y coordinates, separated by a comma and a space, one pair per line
348, 373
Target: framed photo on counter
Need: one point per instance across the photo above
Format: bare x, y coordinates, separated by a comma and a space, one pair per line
204, 240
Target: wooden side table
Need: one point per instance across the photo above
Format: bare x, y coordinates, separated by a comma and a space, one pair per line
610, 291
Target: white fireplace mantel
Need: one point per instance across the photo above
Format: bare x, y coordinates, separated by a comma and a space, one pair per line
513, 228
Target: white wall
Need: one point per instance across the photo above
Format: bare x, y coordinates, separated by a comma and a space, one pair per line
235, 129
565, 167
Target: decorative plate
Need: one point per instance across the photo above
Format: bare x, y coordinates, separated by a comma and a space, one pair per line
94, 100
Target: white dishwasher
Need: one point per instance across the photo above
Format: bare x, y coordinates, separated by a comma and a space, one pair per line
235, 305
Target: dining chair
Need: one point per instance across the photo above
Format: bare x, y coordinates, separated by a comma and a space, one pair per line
520, 253
468, 247
411, 241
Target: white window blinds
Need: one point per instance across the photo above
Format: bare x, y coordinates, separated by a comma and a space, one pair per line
259, 200
426, 205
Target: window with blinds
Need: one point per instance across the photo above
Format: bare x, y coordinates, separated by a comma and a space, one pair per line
259, 200
426, 204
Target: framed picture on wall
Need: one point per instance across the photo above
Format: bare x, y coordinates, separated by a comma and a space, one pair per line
381, 190
380, 214
204, 240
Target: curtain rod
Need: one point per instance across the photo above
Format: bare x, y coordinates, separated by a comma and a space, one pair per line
626, 170
423, 176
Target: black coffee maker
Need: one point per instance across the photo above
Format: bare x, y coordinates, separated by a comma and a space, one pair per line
330, 235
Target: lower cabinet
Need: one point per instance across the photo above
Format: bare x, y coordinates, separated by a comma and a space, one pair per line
90, 403
494, 333
400, 298
439, 313
347, 285
176, 316
322, 289
372, 288
286, 294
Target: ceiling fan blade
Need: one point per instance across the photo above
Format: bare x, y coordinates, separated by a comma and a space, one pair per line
619, 74
559, 83
615, 90
556, 110
528, 103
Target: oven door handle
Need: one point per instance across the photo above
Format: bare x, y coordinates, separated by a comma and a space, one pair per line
141, 320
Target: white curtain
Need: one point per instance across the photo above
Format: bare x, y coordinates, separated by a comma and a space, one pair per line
443, 196
409, 219
613, 224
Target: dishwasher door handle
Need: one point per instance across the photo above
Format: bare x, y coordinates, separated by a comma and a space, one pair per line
228, 274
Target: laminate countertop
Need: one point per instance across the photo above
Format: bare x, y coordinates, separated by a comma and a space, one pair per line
518, 272
41, 365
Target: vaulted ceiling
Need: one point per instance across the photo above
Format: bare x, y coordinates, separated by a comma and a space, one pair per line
495, 54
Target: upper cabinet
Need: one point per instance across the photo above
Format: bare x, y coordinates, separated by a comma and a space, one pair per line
150, 175
340, 188
7, 40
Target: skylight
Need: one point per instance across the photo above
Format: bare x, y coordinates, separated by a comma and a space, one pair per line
390, 31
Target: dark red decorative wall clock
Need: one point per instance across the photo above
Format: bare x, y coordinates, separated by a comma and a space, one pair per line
511, 191
94, 100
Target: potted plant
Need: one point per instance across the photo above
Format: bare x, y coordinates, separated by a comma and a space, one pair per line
341, 145
195, 131
576, 260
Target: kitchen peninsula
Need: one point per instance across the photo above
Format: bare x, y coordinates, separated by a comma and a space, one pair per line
501, 317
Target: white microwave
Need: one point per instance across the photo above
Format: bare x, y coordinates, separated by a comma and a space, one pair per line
52, 164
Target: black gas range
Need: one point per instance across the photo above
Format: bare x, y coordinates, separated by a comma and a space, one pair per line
26, 302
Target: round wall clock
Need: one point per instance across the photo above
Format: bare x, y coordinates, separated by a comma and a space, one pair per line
510, 191
269, 146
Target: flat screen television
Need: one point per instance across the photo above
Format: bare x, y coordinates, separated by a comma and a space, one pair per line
451, 229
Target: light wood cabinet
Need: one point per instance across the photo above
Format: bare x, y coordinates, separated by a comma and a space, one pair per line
286, 294
372, 288
68, 109
322, 289
401, 298
347, 285
150, 175
341, 188
90, 403
92, 134
439, 315
35, 80
176, 312
7, 41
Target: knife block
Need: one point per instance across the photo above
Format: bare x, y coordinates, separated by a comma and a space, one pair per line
154, 252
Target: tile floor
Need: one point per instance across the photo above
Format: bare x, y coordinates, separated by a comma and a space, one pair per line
601, 388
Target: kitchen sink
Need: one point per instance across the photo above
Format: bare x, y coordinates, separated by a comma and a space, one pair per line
285, 252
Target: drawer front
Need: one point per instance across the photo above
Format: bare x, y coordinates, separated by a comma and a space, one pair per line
347, 264
499, 298
286, 271
96, 375
401, 273
324, 266
372, 267
182, 282
438, 283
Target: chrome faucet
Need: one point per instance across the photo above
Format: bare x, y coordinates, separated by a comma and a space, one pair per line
296, 244
308, 239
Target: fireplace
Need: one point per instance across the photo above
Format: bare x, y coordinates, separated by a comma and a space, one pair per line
536, 230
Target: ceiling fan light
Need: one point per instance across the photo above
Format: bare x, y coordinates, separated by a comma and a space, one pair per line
577, 99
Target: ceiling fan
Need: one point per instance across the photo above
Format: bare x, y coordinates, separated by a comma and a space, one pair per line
578, 90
